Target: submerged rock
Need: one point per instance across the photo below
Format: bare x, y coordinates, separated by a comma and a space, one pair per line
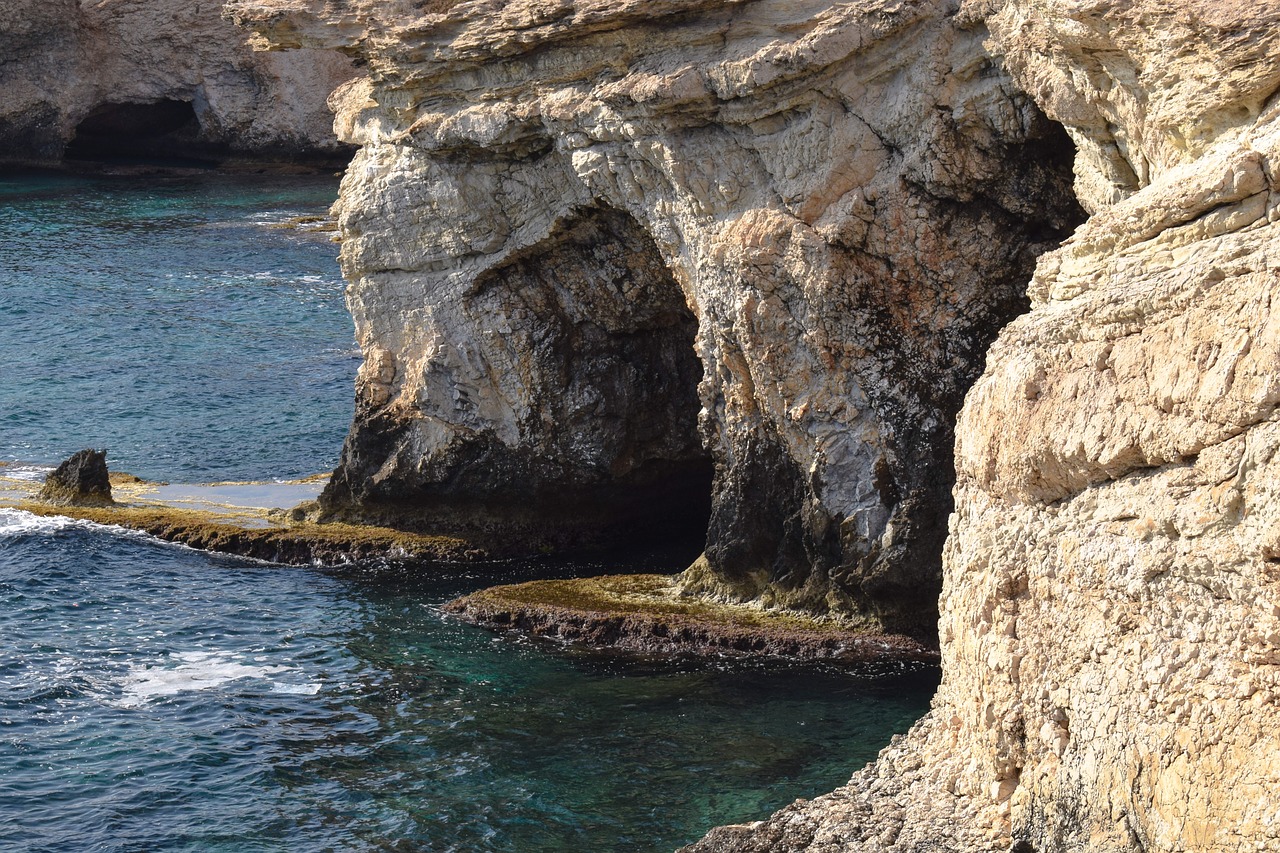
81, 480
596, 254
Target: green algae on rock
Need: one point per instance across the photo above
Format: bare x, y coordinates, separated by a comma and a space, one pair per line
296, 544
237, 518
647, 614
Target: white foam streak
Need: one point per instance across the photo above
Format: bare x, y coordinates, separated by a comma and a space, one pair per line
15, 522
201, 671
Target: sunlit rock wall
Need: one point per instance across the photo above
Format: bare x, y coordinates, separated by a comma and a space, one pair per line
591, 243
1111, 610
66, 61
1111, 621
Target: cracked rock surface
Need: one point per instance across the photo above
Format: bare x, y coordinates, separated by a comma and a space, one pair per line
74, 64
598, 248
1111, 611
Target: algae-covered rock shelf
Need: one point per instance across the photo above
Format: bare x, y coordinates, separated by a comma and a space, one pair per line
649, 614
243, 519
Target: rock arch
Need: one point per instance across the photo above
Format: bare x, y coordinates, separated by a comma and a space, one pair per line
852, 204
558, 402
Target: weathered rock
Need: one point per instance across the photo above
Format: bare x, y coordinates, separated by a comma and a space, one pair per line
1111, 611
1111, 617
81, 480
648, 615
592, 242
159, 78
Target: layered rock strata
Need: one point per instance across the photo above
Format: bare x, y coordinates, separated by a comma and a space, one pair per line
597, 246
156, 78
1111, 613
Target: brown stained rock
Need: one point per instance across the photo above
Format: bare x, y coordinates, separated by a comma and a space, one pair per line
81, 480
1110, 623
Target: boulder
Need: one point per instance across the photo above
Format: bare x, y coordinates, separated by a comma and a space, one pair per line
81, 480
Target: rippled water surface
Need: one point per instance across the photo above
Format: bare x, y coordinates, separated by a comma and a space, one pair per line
173, 322
154, 698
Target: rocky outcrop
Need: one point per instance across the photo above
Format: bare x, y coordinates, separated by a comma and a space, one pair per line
80, 480
597, 246
648, 615
158, 78
1111, 612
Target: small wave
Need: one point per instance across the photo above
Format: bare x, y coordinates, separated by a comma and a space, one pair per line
30, 473
16, 522
200, 671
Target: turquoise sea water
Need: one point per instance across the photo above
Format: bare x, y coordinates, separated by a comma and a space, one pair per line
173, 322
155, 698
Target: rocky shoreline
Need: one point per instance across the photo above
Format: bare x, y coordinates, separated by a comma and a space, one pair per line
964, 296
200, 518
646, 614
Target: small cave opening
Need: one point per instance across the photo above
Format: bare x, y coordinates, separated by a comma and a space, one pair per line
613, 340
579, 427
166, 131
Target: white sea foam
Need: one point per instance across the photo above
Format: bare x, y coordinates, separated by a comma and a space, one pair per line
30, 473
201, 671
17, 522
14, 522
308, 689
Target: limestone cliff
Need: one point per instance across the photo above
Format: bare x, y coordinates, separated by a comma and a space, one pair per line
597, 246
1111, 612
156, 78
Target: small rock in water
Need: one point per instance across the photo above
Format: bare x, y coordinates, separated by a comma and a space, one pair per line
82, 480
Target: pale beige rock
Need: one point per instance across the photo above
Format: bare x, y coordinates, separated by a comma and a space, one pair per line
1111, 609
65, 59
842, 199
1112, 597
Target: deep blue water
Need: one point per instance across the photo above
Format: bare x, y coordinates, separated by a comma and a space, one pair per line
169, 322
154, 698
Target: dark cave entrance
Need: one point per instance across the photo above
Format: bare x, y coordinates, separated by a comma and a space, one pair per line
611, 343
587, 340
166, 130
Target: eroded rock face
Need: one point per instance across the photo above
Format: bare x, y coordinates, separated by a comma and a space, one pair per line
156, 78
831, 207
1111, 611
80, 480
